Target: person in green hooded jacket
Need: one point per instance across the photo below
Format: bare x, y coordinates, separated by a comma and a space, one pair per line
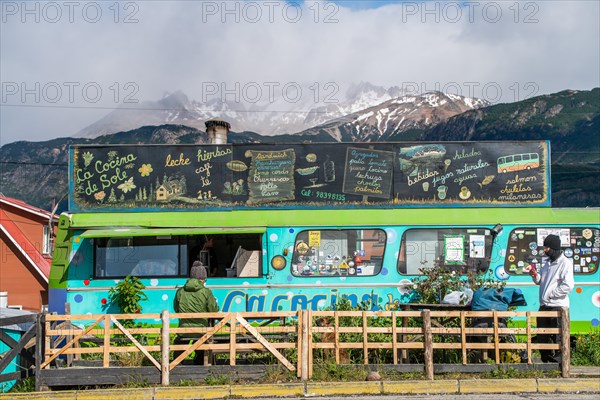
194, 297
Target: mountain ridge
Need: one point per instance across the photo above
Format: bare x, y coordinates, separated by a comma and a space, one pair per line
274, 116
569, 119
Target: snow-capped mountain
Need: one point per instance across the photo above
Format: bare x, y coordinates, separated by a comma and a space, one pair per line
307, 108
398, 118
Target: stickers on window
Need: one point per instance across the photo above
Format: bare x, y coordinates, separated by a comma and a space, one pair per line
477, 246
314, 238
302, 248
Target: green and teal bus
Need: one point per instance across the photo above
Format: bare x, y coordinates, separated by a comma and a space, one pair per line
298, 226
284, 259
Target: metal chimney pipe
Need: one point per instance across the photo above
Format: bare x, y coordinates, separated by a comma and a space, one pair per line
217, 130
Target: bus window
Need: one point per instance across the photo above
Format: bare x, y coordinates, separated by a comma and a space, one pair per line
459, 249
228, 255
580, 244
347, 252
139, 256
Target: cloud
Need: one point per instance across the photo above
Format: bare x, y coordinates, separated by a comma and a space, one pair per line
140, 50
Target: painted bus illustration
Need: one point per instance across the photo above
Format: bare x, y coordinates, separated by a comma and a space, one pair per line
518, 162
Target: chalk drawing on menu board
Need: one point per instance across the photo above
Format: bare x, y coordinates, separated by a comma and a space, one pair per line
271, 176
368, 172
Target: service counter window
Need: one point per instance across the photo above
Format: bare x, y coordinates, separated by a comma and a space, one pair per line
140, 256
228, 255
458, 249
224, 255
526, 246
343, 252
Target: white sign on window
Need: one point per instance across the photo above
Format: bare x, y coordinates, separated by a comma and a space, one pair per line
455, 249
477, 246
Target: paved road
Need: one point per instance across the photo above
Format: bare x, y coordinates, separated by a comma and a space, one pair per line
503, 396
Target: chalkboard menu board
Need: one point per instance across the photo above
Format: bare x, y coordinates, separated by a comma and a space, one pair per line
208, 177
271, 176
368, 172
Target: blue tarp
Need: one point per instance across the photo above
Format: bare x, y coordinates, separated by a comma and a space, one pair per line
485, 299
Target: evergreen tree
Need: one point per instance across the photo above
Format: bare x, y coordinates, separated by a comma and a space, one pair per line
183, 183
112, 198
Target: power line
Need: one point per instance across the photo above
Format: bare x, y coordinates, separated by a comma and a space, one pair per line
34, 163
123, 108
312, 110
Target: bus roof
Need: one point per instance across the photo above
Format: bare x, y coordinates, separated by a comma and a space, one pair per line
346, 217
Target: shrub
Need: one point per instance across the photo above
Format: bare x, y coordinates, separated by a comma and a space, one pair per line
587, 349
437, 282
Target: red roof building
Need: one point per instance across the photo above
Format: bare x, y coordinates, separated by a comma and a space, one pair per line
25, 253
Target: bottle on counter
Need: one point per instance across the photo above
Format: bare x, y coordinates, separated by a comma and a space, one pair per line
329, 170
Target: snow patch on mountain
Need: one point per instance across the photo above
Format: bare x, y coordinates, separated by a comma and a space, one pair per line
267, 116
397, 115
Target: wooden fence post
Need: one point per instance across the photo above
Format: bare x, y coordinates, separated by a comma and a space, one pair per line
39, 348
164, 347
394, 338
529, 351
565, 342
496, 338
365, 339
428, 341
299, 340
68, 338
303, 321
106, 353
309, 341
232, 339
463, 337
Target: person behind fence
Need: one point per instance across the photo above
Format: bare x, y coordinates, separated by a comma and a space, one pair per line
556, 282
194, 297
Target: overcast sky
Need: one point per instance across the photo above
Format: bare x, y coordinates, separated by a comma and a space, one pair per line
66, 64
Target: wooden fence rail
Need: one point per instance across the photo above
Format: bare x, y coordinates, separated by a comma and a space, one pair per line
300, 336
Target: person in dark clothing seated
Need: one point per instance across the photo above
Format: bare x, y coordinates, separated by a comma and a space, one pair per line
213, 262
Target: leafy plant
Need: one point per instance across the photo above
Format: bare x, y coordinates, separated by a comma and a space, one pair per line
328, 370
23, 386
277, 374
587, 349
128, 294
437, 282
217, 380
130, 359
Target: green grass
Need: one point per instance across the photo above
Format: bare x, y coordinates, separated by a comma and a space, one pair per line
587, 349
217, 380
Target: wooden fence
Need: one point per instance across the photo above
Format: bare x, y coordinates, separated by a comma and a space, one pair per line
21, 352
296, 339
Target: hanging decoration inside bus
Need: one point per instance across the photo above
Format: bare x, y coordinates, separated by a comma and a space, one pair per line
193, 177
